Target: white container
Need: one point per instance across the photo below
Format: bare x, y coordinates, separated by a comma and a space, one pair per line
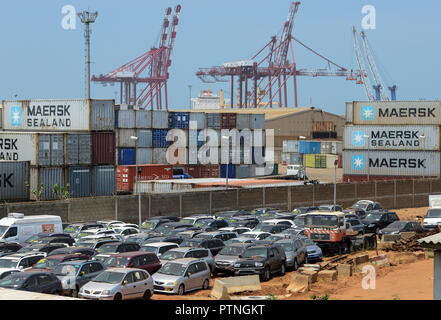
349, 109
337, 147
126, 119
391, 163
330, 160
159, 156
199, 118
291, 146
388, 137
144, 138
397, 112
58, 115
143, 119
159, 119
19, 146
123, 139
144, 155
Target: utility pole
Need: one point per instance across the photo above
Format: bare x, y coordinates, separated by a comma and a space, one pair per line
87, 18
189, 99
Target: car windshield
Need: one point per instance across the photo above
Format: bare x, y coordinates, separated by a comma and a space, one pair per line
373, 217
172, 255
172, 269
108, 248
248, 235
255, 253
205, 236
116, 261
87, 244
433, 213
361, 205
3, 230
397, 225
47, 263
203, 223
231, 251
33, 239
321, 220
151, 249
13, 280
187, 221
83, 234
149, 225
287, 246
308, 241
109, 277
263, 228
66, 269
299, 221
8, 263
189, 243
275, 237
71, 229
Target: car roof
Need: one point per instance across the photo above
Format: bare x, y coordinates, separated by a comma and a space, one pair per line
64, 255
131, 254
122, 270
78, 262
184, 260
238, 244
185, 249
158, 244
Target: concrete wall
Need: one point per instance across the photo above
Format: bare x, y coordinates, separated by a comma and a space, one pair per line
391, 194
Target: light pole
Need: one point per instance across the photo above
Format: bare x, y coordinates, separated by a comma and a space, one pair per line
335, 182
189, 99
136, 182
368, 156
228, 164
423, 137
304, 165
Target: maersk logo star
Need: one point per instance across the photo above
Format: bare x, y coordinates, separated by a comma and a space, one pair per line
16, 116
358, 138
368, 113
358, 162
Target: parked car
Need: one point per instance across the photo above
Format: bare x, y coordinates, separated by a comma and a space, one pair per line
158, 248
244, 222
7, 248
188, 234
293, 232
211, 224
188, 252
264, 260
151, 225
119, 284
265, 227
19, 262
254, 235
48, 263
398, 227
295, 252
215, 245
223, 235
330, 207
225, 215
300, 219
278, 221
356, 224
178, 239
262, 211
109, 223
363, 207
301, 210
43, 236
42, 247
194, 219
41, 282
377, 220
74, 274
116, 247
70, 250
165, 228
182, 275
125, 231
75, 228
227, 257
68, 240
238, 230
314, 252
138, 259
94, 244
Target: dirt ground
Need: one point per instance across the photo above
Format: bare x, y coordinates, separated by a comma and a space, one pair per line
322, 175
397, 282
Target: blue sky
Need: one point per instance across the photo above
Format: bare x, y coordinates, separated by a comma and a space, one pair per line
39, 59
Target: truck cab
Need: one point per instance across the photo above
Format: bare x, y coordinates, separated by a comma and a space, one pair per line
295, 170
432, 218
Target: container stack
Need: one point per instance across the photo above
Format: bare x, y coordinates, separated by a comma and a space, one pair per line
58, 142
311, 153
391, 140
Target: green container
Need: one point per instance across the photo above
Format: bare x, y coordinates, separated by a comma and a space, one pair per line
322, 161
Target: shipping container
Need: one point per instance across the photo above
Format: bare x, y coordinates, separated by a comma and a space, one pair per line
177, 156
124, 138
144, 155
330, 160
159, 139
396, 112
19, 146
213, 120
210, 171
364, 178
231, 168
178, 120
144, 138
290, 146
349, 108
243, 121
143, 119
14, 178
78, 149
126, 119
198, 119
58, 115
389, 163
195, 171
309, 147
314, 161
104, 180
261, 170
340, 161
159, 156
196, 138
243, 171
204, 155
395, 137
257, 121
125, 175
337, 147
325, 147
127, 156
103, 148
49, 180
51, 150
159, 119
228, 120
79, 179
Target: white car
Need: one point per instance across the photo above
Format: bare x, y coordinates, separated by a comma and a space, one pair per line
110, 223
257, 235
280, 221
19, 262
194, 219
295, 170
119, 284
158, 248
125, 231
239, 230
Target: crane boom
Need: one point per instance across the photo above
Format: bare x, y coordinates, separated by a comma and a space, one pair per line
285, 38
373, 67
361, 66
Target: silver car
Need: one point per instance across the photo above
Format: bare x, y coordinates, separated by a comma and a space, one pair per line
189, 252
119, 284
182, 275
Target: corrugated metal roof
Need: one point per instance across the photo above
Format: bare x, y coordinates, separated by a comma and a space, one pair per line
433, 240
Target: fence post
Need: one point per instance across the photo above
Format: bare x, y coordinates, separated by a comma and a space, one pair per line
211, 202
116, 207
413, 193
263, 197
180, 205
395, 194
289, 199
237, 199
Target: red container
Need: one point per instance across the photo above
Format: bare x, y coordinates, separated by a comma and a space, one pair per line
194, 170
340, 161
125, 175
210, 171
228, 120
103, 148
361, 178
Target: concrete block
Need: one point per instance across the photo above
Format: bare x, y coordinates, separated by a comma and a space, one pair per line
344, 270
420, 255
299, 283
380, 261
378, 258
313, 274
242, 283
315, 267
407, 235
327, 275
359, 267
219, 290
361, 259
404, 257
390, 238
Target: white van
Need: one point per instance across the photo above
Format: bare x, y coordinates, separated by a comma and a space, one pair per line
296, 170
18, 228
433, 215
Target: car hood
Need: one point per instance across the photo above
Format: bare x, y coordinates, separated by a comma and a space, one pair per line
6, 269
99, 286
225, 258
240, 260
390, 230
366, 222
313, 247
160, 277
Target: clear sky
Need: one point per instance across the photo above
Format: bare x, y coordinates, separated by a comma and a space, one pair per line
39, 59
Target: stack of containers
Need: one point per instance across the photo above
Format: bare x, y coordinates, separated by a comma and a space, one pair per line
59, 139
391, 140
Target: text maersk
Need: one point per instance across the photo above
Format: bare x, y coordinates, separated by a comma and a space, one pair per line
406, 112
35, 112
7, 147
386, 138
397, 163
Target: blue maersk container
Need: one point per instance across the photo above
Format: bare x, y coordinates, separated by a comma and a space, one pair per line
127, 156
79, 181
104, 181
178, 120
160, 138
231, 171
309, 147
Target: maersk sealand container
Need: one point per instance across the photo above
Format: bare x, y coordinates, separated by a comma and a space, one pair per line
79, 179
14, 178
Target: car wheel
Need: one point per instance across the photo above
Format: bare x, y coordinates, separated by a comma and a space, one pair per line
147, 295
206, 284
117, 296
296, 265
75, 292
266, 274
181, 290
282, 269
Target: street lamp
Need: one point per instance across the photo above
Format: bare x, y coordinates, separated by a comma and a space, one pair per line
368, 157
136, 182
228, 164
423, 137
304, 166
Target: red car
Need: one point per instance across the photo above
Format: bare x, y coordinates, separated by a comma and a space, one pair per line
135, 259
49, 263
